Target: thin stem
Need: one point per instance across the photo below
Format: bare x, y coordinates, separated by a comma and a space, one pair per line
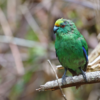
57, 80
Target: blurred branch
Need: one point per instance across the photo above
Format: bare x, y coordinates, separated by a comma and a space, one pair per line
50, 15
92, 77
83, 3
33, 24
19, 42
11, 13
7, 31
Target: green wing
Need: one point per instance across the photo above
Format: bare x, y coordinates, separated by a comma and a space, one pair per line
84, 43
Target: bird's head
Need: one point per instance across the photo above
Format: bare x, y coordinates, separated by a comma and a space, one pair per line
63, 26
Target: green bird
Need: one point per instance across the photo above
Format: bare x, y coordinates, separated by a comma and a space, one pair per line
71, 48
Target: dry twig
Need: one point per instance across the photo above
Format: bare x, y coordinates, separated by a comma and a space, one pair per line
57, 80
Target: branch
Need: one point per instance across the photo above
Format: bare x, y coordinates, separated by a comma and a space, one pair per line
93, 74
20, 42
92, 77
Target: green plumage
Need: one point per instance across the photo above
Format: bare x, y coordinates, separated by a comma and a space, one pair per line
68, 45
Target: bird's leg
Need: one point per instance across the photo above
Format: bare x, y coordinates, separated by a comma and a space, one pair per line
64, 77
84, 75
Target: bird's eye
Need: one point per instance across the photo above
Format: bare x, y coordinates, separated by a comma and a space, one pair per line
62, 26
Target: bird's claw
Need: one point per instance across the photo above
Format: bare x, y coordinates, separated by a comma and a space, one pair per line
85, 78
63, 79
84, 75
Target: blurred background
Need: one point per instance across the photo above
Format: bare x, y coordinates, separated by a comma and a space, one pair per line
27, 42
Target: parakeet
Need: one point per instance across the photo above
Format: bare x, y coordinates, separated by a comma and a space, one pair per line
71, 48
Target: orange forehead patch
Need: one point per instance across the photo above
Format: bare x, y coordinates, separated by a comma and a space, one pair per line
56, 24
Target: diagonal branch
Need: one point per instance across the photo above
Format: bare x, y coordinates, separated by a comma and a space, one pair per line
92, 77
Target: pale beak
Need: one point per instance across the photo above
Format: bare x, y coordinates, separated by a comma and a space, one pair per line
55, 29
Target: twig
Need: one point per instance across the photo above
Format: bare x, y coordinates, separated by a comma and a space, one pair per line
57, 80
92, 77
7, 31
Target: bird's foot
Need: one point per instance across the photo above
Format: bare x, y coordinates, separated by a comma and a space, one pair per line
64, 79
84, 75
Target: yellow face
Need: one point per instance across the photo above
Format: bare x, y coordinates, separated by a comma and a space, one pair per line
58, 22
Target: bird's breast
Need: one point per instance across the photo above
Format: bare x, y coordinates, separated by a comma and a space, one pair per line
70, 53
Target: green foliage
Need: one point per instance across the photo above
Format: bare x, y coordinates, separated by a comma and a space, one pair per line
31, 35
72, 14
